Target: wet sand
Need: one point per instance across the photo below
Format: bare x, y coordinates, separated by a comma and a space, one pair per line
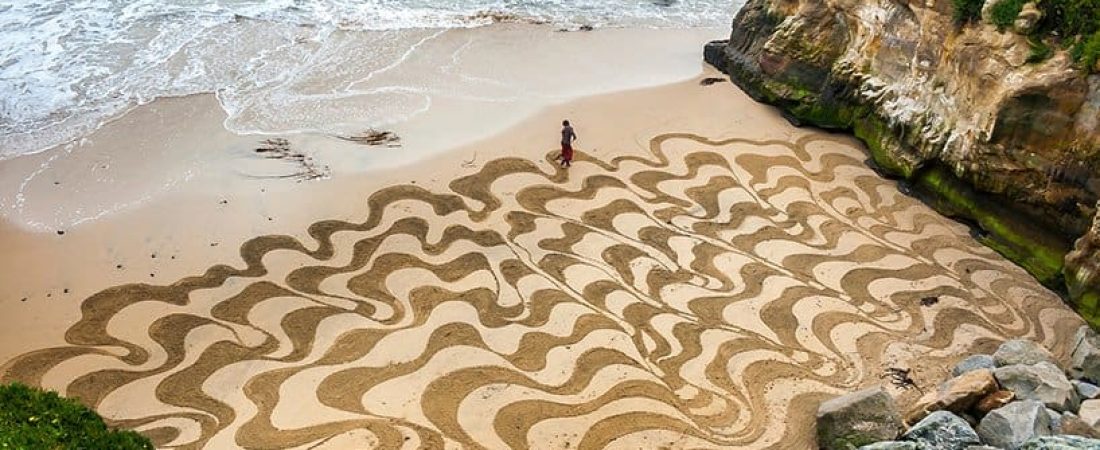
701, 277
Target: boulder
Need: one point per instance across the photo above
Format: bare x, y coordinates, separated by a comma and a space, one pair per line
957, 395
1022, 351
1011, 426
857, 419
1055, 420
1090, 413
1061, 443
1071, 424
1027, 19
892, 445
1086, 390
1043, 382
943, 430
1085, 359
973, 363
993, 401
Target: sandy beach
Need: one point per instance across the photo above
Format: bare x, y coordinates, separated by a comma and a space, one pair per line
701, 277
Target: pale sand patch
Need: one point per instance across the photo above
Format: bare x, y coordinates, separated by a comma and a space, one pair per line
701, 288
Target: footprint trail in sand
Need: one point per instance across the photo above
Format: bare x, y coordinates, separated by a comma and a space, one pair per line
707, 295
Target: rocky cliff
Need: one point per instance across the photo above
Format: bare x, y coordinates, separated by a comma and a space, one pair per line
978, 123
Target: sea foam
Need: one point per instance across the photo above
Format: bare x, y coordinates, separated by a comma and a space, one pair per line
66, 66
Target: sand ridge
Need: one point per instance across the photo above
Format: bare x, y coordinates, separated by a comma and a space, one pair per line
706, 295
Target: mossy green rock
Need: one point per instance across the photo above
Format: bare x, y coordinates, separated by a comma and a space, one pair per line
1082, 274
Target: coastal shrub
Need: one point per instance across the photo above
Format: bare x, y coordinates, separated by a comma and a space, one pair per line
1004, 13
32, 419
967, 11
1069, 18
1087, 52
1074, 23
1040, 51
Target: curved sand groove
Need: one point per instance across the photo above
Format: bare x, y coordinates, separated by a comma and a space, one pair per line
705, 296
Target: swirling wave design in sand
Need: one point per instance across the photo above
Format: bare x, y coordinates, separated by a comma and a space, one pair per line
708, 295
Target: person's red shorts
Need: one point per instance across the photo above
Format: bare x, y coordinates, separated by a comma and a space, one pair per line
567, 152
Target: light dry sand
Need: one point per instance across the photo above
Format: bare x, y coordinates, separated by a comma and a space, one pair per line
701, 277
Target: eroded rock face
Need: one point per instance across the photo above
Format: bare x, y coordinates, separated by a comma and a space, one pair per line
1083, 271
958, 110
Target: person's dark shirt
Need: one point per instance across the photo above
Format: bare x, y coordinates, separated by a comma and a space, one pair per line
567, 135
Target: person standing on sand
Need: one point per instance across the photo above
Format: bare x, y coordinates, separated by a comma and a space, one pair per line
567, 138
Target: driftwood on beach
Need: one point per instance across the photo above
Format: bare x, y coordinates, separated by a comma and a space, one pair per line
374, 138
279, 148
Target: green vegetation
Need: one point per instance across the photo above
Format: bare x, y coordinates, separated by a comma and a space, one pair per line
1004, 13
1040, 51
1070, 18
1073, 24
1077, 24
1086, 302
34, 419
1087, 51
967, 11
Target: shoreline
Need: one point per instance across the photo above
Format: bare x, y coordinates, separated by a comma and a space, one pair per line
466, 47
198, 154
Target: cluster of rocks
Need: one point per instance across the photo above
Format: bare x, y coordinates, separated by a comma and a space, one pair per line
1017, 398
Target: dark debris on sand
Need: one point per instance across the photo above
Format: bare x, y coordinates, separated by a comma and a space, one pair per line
279, 148
929, 301
711, 80
900, 378
374, 138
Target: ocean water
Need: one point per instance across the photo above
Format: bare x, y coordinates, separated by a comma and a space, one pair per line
66, 66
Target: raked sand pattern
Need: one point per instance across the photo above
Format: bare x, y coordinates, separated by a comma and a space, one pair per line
706, 295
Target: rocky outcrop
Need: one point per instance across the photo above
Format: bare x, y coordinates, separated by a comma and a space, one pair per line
1083, 271
963, 113
1029, 403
